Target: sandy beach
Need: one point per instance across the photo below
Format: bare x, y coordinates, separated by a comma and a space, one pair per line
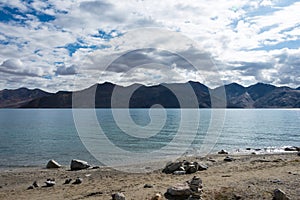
247, 177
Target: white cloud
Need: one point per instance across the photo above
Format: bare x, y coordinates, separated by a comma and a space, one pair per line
238, 34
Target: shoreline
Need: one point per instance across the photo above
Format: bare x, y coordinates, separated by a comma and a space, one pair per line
235, 152
248, 176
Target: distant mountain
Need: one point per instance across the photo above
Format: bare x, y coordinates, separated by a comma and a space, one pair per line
175, 95
17, 98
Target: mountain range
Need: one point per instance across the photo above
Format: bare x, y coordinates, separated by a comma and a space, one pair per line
175, 95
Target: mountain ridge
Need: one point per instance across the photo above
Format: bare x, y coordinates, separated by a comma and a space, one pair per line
259, 95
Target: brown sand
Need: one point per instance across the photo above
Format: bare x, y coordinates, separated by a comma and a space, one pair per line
248, 177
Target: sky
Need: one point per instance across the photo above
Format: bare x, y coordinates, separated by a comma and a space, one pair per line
73, 44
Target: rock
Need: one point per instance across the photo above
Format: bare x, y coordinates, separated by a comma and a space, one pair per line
35, 184
78, 181
276, 181
194, 197
50, 182
148, 186
201, 167
30, 187
228, 159
172, 167
187, 162
292, 148
181, 169
298, 154
195, 184
223, 152
191, 169
68, 181
118, 196
181, 190
95, 167
248, 149
179, 172
157, 197
279, 195
79, 165
52, 164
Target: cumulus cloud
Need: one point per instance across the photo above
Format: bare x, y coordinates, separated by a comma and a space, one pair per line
63, 70
248, 41
16, 67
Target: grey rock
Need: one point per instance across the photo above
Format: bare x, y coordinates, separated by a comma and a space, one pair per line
78, 181
292, 148
148, 186
228, 159
52, 164
68, 181
79, 164
35, 184
180, 190
157, 197
179, 172
50, 182
30, 187
223, 152
279, 195
200, 167
181, 169
196, 184
172, 167
191, 169
118, 196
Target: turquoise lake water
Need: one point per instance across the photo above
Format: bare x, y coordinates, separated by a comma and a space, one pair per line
31, 137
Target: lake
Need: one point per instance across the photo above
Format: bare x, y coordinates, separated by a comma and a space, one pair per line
31, 137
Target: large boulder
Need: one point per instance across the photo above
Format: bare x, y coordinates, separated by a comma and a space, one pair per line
190, 190
79, 164
178, 191
52, 164
172, 167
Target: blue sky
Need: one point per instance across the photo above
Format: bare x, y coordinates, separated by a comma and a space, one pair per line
66, 45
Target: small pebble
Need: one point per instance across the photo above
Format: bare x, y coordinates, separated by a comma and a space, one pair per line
148, 186
157, 197
50, 182
35, 184
67, 181
228, 159
78, 181
30, 187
